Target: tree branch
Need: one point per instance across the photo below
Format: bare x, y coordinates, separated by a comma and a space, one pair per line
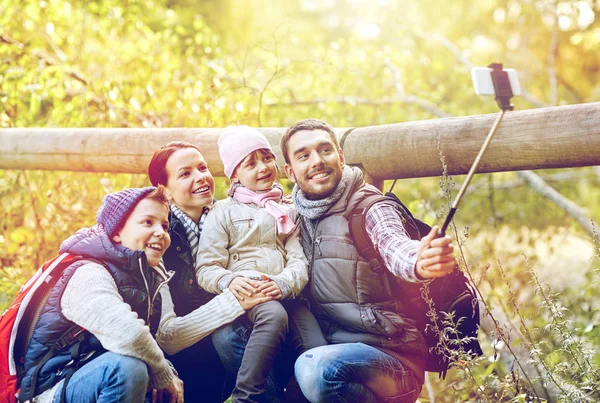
596, 170
560, 176
10, 41
575, 211
397, 80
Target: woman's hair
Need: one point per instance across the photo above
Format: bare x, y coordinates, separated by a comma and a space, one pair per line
157, 169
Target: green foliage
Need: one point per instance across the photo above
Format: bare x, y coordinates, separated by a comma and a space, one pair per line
159, 63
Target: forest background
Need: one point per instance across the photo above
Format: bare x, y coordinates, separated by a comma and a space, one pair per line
183, 63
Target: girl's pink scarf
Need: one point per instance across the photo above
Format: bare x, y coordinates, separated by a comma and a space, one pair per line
268, 200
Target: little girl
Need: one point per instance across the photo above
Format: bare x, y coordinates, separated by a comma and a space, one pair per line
251, 244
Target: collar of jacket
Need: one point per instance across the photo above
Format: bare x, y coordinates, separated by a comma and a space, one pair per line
355, 182
177, 228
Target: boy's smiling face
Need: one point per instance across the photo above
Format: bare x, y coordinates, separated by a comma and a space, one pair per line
147, 229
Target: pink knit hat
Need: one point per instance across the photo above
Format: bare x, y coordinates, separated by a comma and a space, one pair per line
236, 142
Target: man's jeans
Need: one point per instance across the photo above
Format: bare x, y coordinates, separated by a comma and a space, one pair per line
108, 378
354, 372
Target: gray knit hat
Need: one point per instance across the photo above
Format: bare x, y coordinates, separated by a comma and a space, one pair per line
116, 207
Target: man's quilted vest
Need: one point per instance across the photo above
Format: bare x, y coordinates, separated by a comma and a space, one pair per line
352, 302
132, 283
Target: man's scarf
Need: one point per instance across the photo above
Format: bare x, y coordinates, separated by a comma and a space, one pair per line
312, 210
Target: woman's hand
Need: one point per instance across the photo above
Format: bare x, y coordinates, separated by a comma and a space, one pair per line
242, 287
253, 300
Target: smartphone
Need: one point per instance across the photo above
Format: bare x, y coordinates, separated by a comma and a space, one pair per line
482, 81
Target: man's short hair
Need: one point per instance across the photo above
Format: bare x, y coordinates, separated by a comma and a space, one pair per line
309, 125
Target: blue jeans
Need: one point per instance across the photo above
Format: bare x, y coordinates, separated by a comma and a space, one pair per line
109, 378
354, 372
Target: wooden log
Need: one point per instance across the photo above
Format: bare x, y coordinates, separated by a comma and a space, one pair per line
556, 137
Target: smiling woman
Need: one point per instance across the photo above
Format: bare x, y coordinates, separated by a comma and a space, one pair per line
182, 169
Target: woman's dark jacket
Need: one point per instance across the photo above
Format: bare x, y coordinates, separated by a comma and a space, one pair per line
186, 294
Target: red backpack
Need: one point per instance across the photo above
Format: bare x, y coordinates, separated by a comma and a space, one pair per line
20, 319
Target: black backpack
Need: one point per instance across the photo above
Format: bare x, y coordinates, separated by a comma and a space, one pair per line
431, 303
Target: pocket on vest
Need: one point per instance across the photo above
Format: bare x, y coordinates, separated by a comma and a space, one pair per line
384, 322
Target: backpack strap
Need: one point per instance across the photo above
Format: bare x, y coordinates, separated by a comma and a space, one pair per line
77, 360
71, 338
358, 228
358, 231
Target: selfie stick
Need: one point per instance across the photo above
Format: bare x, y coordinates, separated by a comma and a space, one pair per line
503, 94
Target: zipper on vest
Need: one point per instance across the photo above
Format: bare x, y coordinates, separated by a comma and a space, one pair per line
147, 290
318, 245
166, 278
158, 290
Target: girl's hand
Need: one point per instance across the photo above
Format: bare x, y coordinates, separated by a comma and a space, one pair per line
242, 287
270, 288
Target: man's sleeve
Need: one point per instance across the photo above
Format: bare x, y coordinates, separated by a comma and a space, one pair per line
390, 239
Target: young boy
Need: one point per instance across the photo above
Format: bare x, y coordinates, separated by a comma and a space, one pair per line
112, 300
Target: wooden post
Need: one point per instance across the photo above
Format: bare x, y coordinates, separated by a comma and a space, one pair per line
557, 137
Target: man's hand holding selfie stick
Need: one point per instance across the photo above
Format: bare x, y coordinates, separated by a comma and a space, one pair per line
435, 256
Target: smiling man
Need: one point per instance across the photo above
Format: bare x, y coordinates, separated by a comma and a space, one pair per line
375, 352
